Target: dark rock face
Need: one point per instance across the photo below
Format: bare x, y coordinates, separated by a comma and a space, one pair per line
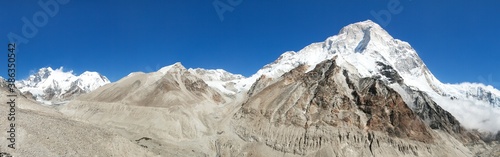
384, 108
388, 112
490, 137
390, 73
436, 117
51, 93
73, 92
29, 95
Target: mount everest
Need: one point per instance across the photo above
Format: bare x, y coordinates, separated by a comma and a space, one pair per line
358, 93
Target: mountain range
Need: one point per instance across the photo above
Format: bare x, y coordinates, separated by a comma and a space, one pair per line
51, 86
358, 93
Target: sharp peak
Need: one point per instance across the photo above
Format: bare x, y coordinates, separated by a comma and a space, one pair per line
177, 65
366, 22
364, 26
52, 69
210, 70
90, 73
93, 74
49, 69
196, 70
44, 69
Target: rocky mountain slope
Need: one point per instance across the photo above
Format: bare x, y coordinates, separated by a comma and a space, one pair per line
51, 86
313, 113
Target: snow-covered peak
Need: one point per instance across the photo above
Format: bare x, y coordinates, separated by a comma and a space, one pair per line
219, 79
93, 75
89, 81
49, 84
46, 70
364, 45
363, 28
215, 74
44, 74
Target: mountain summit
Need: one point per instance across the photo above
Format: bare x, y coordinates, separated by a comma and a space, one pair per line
53, 86
369, 51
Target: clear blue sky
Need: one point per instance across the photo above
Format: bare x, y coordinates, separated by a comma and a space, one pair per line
459, 40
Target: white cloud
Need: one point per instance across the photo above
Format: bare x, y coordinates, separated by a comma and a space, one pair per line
472, 114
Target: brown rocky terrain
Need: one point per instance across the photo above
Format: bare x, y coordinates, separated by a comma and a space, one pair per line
329, 110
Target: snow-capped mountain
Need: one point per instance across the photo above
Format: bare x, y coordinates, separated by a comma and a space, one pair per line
367, 48
54, 86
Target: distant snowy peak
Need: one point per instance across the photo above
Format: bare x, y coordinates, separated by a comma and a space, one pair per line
89, 81
221, 80
46, 77
474, 91
205, 74
48, 85
215, 74
35, 79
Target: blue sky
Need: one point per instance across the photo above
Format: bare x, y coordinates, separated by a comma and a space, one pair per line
457, 40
